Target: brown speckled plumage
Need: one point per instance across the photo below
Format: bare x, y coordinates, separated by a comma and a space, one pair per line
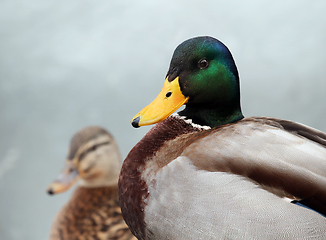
91, 213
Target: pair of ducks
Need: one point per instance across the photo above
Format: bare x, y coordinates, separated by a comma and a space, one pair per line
209, 173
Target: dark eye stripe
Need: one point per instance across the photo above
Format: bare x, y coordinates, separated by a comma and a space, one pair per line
92, 148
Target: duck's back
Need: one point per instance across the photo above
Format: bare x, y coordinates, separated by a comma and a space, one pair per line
91, 213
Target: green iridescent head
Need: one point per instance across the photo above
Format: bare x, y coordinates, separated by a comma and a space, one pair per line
202, 69
209, 77
207, 72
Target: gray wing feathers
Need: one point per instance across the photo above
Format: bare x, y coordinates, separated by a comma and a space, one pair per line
267, 154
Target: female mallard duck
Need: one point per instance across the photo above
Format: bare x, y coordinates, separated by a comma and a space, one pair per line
93, 211
209, 173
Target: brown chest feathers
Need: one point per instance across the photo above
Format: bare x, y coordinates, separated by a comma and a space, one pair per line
133, 190
91, 213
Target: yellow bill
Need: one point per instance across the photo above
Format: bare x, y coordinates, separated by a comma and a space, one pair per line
169, 100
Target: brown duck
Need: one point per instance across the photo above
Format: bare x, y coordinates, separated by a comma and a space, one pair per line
93, 211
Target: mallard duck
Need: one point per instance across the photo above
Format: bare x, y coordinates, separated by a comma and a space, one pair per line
207, 172
93, 212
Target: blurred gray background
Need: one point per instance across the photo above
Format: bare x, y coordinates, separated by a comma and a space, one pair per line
68, 64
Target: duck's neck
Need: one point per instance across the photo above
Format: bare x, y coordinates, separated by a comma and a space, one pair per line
96, 181
212, 116
91, 198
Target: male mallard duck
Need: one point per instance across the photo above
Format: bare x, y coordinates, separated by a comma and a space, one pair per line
93, 211
209, 173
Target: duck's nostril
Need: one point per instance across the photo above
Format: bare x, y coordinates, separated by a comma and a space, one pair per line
168, 94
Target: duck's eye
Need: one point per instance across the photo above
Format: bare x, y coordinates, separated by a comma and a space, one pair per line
94, 148
203, 63
168, 94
